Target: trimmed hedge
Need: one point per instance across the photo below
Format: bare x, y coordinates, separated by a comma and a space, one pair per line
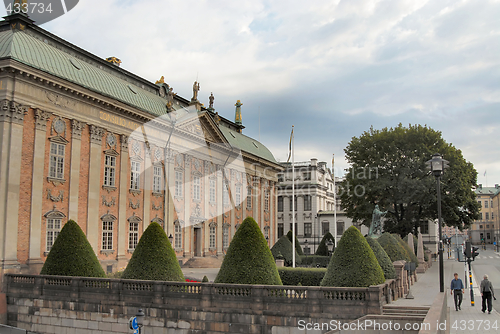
323, 248
302, 276
393, 248
404, 244
284, 247
298, 247
154, 258
72, 255
248, 259
353, 263
314, 260
382, 258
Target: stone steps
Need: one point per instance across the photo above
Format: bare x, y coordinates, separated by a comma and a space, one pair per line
203, 262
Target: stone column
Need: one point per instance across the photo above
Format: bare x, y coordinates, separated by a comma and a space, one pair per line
41, 118
188, 228
219, 209
11, 140
122, 203
148, 186
205, 198
74, 184
168, 200
255, 197
93, 219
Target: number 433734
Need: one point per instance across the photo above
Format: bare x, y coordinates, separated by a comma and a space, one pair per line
29, 8
474, 325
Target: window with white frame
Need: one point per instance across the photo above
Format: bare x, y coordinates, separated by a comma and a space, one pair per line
107, 235
249, 197
196, 187
485, 204
212, 190
225, 193
178, 183
307, 203
157, 178
133, 235
307, 229
266, 200
53, 229
225, 236
280, 203
178, 236
238, 195
135, 168
56, 158
212, 235
266, 232
109, 170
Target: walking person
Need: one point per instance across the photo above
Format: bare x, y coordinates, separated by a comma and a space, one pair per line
457, 288
487, 292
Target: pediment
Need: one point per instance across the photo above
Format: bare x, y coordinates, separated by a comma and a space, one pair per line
203, 127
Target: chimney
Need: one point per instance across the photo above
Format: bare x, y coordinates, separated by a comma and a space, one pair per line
314, 162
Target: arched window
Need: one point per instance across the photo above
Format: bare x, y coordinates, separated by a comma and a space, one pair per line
107, 231
54, 220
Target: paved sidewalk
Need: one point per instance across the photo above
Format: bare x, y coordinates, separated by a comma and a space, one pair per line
468, 320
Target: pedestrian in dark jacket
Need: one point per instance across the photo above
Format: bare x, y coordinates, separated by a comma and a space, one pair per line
487, 293
457, 288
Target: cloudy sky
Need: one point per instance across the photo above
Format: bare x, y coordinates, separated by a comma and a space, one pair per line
331, 68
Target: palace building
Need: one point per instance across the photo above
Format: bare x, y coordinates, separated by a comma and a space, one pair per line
81, 138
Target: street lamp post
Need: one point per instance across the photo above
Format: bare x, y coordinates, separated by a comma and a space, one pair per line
330, 247
437, 166
171, 239
306, 246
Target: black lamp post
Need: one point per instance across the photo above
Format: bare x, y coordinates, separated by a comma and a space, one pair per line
171, 239
140, 319
330, 247
437, 166
306, 245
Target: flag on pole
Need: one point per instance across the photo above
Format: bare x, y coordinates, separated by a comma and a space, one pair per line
484, 171
290, 147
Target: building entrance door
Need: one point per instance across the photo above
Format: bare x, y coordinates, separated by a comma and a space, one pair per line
197, 241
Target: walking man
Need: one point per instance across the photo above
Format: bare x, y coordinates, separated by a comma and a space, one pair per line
487, 292
457, 288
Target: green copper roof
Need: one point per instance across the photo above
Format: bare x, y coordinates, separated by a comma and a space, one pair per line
487, 190
31, 51
246, 144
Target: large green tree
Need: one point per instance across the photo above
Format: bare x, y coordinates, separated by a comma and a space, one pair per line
388, 168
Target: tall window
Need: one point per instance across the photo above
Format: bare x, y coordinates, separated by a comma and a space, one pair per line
157, 178
280, 203
107, 235
238, 195
53, 229
133, 235
487, 215
485, 204
225, 236
266, 200
307, 229
109, 170
307, 203
225, 193
424, 227
325, 228
135, 168
340, 227
178, 236
479, 203
492, 217
212, 236
249, 197
296, 228
266, 232
178, 183
56, 167
212, 190
280, 230
196, 187
307, 176
291, 203
481, 215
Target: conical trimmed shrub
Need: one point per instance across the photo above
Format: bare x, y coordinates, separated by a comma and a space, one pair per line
298, 247
72, 255
413, 258
393, 248
248, 259
322, 247
382, 258
353, 263
283, 247
154, 258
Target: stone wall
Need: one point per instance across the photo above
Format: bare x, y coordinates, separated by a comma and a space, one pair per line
59, 304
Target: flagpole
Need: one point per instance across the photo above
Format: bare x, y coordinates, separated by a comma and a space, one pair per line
293, 200
334, 203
